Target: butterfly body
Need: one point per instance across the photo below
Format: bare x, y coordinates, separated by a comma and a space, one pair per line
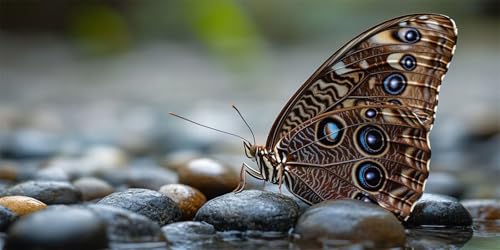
359, 126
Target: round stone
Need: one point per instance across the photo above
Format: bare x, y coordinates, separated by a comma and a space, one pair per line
189, 234
6, 218
353, 221
52, 174
484, 209
22, 205
439, 210
119, 221
209, 176
152, 204
188, 199
150, 177
93, 188
250, 210
58, 228
48, 192
8, 171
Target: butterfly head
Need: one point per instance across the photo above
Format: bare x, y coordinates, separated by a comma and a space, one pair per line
250, 150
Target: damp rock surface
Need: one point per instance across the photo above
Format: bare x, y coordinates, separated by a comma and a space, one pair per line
48, 192
22, 205
152, 204
250, 210
188, 199
439, 210
352, 221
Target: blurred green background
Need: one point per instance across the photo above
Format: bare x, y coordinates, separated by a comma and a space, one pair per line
86, 72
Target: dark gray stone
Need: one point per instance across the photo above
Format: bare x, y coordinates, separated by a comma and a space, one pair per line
58, 228
48, 192
250, 210
439, 210
125, 226
192, 233
150, 177
352, 221
152, 204
6, 218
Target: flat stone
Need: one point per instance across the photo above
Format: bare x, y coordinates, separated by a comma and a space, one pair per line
125, 226
93, 188
22, 205
152, 204
439, 210
6, 218
352, 221
189, 234
212, 178
48, 192
58, 228
188, 199
250, 210
485, 209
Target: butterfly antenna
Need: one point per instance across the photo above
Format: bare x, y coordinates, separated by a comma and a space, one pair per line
205, 126
246, 123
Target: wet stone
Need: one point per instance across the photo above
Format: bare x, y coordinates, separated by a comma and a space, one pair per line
125, 226
485, 209
48, 192
250, 210
438, 238
92, 188
150, 177
209, 176
51, 174
188, 199
30, 143
352, 221
58, 228
22, 205
152, 204
439, 210
189, 233
6, 218
444, 183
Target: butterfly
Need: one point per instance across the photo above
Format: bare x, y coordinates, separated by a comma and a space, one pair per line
359, 126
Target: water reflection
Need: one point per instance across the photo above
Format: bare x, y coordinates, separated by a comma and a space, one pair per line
438, 237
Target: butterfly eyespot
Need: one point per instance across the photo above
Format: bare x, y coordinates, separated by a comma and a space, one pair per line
408, 62
371, 140
364, 198
394, 84
329, 131
408, 35
370, 113
370, 176
396, 101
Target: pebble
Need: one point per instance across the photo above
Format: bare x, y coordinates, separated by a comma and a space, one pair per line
250, 210
189, 233
485, 209
188, 199
209, 176
22, 205
125, 226
152, 204
30, 143
52, 174
8, 171
352, 221
439, 210
438, 238
6, 218
444, 183
58, 228
175, 160
150, 177
48, 192
93, 188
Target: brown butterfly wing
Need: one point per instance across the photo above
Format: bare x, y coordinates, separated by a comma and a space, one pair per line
339, 154
402, 61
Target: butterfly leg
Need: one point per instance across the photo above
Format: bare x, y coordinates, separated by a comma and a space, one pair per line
246, 169
280, 176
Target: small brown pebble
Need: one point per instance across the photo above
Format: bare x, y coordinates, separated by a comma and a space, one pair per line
93, 188
209, 176
487, 209
188, 199
22, 205
8, 171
